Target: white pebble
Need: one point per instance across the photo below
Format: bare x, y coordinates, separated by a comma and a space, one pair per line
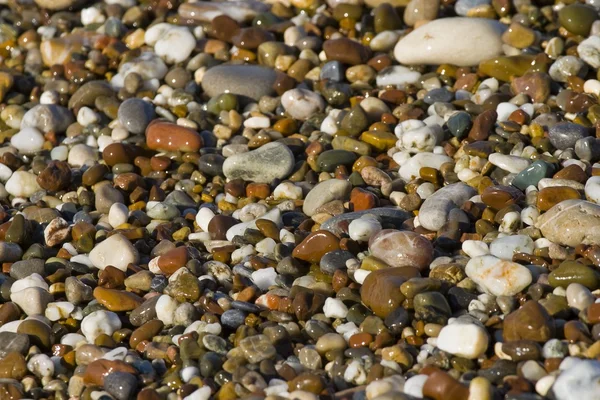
335, 308
173, 43
86, 116
100, 322
118, 214
59, 310
265, 277
463, 339
287, 190
498, 277
28, 140
362, 229
41, 366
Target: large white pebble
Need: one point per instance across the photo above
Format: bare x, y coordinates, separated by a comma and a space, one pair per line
22, 184
59, 310
457, 41
506, 246
33, 280
165, 309
118, 214
173, 43
98, 323
28, 140
592, 189
33, 300
463, 340
116, 251
41, 365
498, 277
362, 229
302, 103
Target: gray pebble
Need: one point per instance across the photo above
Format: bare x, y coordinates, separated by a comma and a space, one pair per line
135, 115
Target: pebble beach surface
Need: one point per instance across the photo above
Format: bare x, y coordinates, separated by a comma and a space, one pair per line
300, 199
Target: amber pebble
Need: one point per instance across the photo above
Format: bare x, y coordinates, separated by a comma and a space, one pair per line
167, 136
441, 386
573, 172
117, 300
316, 245
173, 259
97, 370
498, 197
530, 322
381, 289
550, 196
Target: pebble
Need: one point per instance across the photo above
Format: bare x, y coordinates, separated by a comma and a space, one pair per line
234, 79
466, 340
402, 248
301, 103
436, 208
498, 277
135, 115
22, 184
28, 141
265, 164
325, 192
571, 222
116, 251
431, 43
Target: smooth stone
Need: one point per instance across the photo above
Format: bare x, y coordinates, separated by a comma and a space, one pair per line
451, 41
571, 222
315, 246
135, 115
241, 11
98, 323
22, 184
513, 164
302, 103
564, 135
117, 300
530, 322
436, 208
173, 43
581, 380
335, 260
267, 163
231, 78
411, 168
463, 340
569, 272
381, 289
257, 348
505, 247
87, 94
32, 300
402, 249
121, 385
47, 117
390, 218
531, 175
578, 18
116, 250
28, 141
13, 342
397, 75
325, 192
148, 65
498, 277
23, 269
167, 136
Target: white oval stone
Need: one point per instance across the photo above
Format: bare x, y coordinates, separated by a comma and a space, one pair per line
592, 189
463, 340
32, 300
173, 43
302, 103
411, 168
459, 41
498, 277
22, 184
28, 140
505, 247
508, 163
99, 322
116, 251
397, 75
